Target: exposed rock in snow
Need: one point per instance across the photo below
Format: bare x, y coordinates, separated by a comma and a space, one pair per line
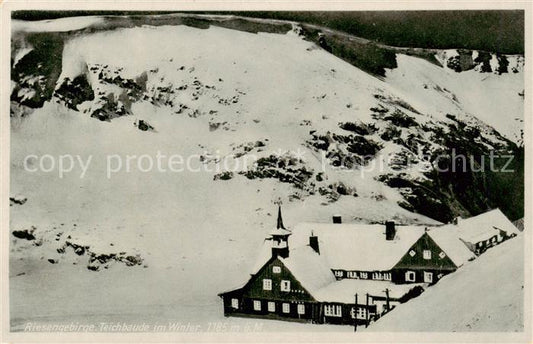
74, 92
462, 60
144, 126
24, 234
17, 200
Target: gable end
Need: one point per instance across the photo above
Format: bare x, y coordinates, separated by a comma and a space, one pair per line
425, 254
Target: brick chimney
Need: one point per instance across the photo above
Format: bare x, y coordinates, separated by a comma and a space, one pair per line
390, 230
313, 242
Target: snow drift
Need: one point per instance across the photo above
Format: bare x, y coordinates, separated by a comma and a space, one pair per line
486, 295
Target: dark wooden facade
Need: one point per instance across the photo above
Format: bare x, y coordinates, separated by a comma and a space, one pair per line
274, 292
483, 245
294, 303
423, 258
291, 301
425, 262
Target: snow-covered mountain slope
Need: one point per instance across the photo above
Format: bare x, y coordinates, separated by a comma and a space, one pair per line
214, 95
486, 294
495, 99
56, 25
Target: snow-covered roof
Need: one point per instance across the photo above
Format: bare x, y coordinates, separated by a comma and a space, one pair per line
357, 246
309, 268
448, 240
363, 247
264, 254
280, 231
344, 290
485, 226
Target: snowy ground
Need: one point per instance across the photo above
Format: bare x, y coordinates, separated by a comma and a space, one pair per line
197, 237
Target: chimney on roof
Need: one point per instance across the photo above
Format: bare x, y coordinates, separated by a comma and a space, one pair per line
390, 230
337, 219
313, 242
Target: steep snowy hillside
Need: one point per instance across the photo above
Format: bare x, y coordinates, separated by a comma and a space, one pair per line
492, 97
121, 239
462, 307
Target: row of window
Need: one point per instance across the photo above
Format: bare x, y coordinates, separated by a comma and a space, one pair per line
336, 311
329, 310
426, 254
386, 276
492, 240
271, 306
410, 276
284, 285
333, 310
382, 276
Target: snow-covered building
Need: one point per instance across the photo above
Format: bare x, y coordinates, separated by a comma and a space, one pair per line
486, 295
394, 253
484, 230
343, 273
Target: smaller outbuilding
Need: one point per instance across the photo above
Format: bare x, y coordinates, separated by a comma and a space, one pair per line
483, 231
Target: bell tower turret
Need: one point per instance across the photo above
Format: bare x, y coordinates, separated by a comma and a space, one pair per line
280, 238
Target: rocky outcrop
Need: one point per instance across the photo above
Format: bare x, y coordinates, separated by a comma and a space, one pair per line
144, 125
17, 200
60, 248
74, 92
392, 124
35, 75
462, 60
26, 234
285, 168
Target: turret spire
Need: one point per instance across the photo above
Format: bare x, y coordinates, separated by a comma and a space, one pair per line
280, 237
280, 219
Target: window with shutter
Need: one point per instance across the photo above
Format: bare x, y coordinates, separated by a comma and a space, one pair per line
285, 285
410, 276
